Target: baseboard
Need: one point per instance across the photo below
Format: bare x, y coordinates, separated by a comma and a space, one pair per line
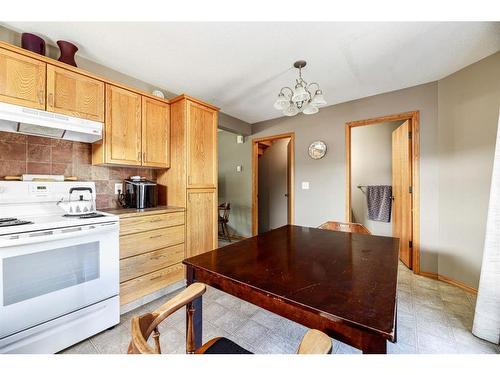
448, 280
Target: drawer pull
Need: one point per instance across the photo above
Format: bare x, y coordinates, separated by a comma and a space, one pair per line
155, 220
157, 257
157, 236
156, 277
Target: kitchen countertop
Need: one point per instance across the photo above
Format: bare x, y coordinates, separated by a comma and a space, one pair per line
134, 212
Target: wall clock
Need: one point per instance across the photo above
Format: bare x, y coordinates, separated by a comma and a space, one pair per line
317, 150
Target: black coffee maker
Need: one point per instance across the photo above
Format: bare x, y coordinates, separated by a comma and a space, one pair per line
138, 193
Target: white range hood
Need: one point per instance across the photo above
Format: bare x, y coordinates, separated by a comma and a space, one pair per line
17, 119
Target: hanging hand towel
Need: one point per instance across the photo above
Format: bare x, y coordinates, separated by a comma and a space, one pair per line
378, 198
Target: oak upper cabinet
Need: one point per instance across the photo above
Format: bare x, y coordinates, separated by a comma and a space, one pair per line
155, 133
122, 131
201, 221
22, 80
201, 146
74, 94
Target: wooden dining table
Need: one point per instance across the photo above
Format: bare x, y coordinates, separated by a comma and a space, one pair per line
343, 284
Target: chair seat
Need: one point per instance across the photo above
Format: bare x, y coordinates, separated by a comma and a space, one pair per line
222, 345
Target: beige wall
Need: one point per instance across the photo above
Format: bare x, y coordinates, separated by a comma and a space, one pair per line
371, 164
469, 101
325, 200
273, 185
236, 187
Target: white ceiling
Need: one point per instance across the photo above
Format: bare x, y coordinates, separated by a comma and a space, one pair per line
240, 67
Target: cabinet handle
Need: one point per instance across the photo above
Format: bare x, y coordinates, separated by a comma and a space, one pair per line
40, 96
144, 156
156, 277
139, 155
189, 180
157, 236
156, 257
51, 99
155, 220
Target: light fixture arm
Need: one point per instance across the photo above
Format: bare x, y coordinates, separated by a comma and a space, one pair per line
286, 88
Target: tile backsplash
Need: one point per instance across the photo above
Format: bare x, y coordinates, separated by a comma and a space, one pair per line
21, 154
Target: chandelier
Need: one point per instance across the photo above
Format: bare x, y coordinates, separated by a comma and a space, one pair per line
300, 99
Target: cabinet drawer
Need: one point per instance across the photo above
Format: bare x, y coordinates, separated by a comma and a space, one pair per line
139, 243
147, 284
143, 223
149, 262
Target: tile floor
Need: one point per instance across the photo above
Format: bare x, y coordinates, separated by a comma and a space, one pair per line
433, 317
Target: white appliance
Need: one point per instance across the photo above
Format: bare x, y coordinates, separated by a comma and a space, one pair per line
59, 275
18, 119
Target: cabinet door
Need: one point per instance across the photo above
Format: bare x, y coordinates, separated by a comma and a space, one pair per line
74, 94
123, 126
22, 80
201, 146
155, 133
201, 223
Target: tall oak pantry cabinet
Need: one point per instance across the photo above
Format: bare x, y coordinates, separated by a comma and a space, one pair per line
191, 180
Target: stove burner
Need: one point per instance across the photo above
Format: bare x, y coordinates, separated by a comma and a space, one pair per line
11, 221
90, 215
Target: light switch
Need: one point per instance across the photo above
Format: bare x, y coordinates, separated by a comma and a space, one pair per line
305, 185
238, 168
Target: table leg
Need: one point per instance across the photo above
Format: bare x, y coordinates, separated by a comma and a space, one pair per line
374, 345
193, 316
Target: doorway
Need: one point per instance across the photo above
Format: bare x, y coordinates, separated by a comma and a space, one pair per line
272, 182
397, 155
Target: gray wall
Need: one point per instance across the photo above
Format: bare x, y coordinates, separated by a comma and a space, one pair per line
273, 184
325, 200
371, 164
469, 101
236, 187
457, 149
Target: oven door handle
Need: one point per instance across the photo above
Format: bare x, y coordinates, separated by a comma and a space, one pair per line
56, 234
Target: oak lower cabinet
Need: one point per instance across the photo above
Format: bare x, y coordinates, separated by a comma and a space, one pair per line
22, 80
201, 221
152, 247
74, 94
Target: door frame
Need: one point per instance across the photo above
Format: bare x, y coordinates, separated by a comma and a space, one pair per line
414, 119
255, 178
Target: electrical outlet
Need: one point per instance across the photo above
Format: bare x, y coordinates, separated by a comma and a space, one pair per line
118, 188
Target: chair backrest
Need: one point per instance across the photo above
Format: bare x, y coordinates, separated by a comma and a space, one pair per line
225, 208
345, 227
143, 325
315, 342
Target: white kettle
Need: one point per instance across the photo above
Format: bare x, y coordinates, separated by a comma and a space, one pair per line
80, 206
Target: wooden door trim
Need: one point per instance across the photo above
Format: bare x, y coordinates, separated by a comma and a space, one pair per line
414, 118
255, 177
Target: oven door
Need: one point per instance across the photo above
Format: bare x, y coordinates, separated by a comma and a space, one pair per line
47, 274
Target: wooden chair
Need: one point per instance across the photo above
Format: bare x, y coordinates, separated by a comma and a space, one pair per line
224, 209
345, 227
313, 342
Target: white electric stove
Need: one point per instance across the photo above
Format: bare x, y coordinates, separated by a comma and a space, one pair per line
59, 274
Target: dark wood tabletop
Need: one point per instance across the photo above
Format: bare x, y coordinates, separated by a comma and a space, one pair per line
341, 283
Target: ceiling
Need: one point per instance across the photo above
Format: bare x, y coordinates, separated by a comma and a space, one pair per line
240, 67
